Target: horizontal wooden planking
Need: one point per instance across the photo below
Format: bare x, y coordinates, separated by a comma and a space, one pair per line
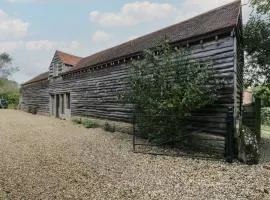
36, 96
94, 94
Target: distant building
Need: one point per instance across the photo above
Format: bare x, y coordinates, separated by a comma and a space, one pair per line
247, 96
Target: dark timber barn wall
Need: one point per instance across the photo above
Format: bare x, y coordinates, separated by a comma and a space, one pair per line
36, 96
95, 83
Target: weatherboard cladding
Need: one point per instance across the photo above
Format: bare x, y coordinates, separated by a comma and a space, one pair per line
222, 18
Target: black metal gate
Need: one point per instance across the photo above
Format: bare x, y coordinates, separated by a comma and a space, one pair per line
193, 143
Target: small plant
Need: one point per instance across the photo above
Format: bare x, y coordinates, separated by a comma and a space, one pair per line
77, 121
109, 128
89, 124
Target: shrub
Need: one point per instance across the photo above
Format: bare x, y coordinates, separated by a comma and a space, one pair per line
108, 127
265, 115
249, 152
89, 124
166, 86
33, 110
77, 121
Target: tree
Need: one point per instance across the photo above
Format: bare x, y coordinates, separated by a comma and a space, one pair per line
166, 86
257, 44
6, 68
8, 89
261, 6
257, 48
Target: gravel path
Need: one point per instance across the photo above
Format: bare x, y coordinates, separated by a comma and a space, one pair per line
45, 158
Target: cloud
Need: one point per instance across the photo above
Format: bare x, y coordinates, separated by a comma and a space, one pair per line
21, 1
191, 8
136, 13
133, 13
10, 46
47, 45
100, 36
41, 44
51, 45
133, 37
11, 28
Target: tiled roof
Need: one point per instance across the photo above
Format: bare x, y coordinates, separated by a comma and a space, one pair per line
221, 18
68, 59
40, 77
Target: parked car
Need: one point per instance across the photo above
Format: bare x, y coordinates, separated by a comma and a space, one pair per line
3, 103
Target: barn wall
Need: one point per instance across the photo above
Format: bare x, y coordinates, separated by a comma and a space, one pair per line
95, 94
239, 68
213, 118
36, 95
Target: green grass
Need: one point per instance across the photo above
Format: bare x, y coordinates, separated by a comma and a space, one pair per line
108, 127
89, 124
12, 106
85, 123
265, 130
77, 121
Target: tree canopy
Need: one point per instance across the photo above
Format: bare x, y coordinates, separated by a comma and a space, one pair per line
257, 48
8, 89
257, 44
6, 67
261, 6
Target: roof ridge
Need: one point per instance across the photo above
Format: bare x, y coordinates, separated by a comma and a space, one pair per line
58, 51
37, 78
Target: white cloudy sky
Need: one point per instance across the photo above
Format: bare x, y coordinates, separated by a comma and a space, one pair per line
31, 30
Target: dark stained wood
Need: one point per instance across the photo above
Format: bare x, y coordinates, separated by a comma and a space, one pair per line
94, 93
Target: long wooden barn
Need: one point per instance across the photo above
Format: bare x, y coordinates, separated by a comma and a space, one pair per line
89, 87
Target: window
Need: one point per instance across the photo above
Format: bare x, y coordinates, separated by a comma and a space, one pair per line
52, 104
68, 100
55, 69
62, 104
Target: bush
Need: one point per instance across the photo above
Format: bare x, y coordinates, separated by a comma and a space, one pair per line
89, 124
109, 128
13, 98
77, 121
249, 151
33, 110
265, 115
9, 90
166, 86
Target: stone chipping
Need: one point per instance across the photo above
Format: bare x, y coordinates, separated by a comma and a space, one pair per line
46, 158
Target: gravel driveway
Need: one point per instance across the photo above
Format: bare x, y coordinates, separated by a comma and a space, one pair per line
45, 158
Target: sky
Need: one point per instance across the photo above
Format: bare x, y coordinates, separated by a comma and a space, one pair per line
32, 30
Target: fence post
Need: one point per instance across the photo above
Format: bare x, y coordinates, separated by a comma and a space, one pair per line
229, 141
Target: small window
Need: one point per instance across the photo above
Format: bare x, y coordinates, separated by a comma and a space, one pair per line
55, 69
62, 104
68, 100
